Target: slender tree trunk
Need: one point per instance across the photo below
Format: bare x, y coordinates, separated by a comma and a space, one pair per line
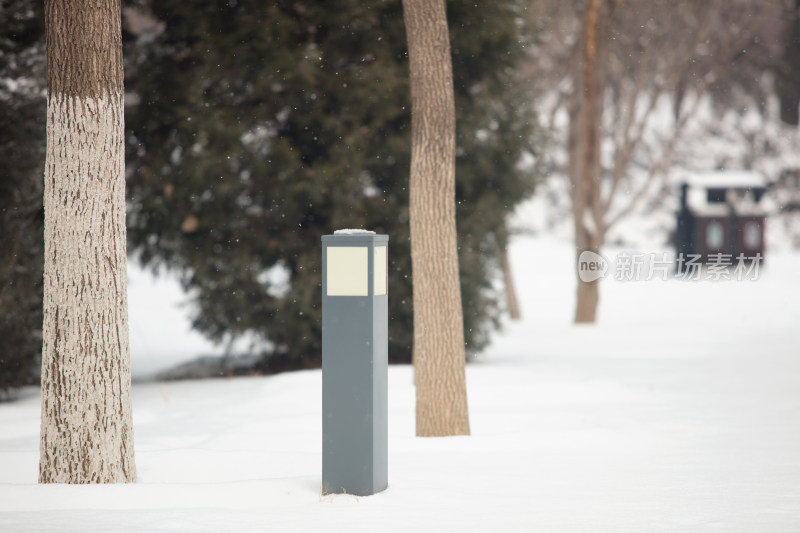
511, 293
438, 323
87, 431
588, 295
586, 194
508, 277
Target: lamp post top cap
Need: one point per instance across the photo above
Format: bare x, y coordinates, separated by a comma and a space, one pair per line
353, 232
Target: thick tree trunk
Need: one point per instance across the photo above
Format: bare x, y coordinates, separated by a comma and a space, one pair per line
438, 323
87, 431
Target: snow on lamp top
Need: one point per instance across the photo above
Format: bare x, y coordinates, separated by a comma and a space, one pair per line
353, 232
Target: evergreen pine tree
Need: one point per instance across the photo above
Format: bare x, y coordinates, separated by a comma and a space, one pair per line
22, 146
260, 127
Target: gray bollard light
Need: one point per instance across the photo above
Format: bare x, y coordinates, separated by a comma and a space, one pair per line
355, 315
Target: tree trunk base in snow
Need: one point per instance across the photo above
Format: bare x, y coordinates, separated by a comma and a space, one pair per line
587, 300
511, 293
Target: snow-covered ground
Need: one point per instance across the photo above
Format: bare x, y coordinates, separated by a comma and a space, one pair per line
679, 411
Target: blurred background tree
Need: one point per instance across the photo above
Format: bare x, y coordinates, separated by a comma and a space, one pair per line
256, 128
612, 67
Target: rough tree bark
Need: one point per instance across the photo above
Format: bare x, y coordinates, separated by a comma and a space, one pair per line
439, 357
86, 431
